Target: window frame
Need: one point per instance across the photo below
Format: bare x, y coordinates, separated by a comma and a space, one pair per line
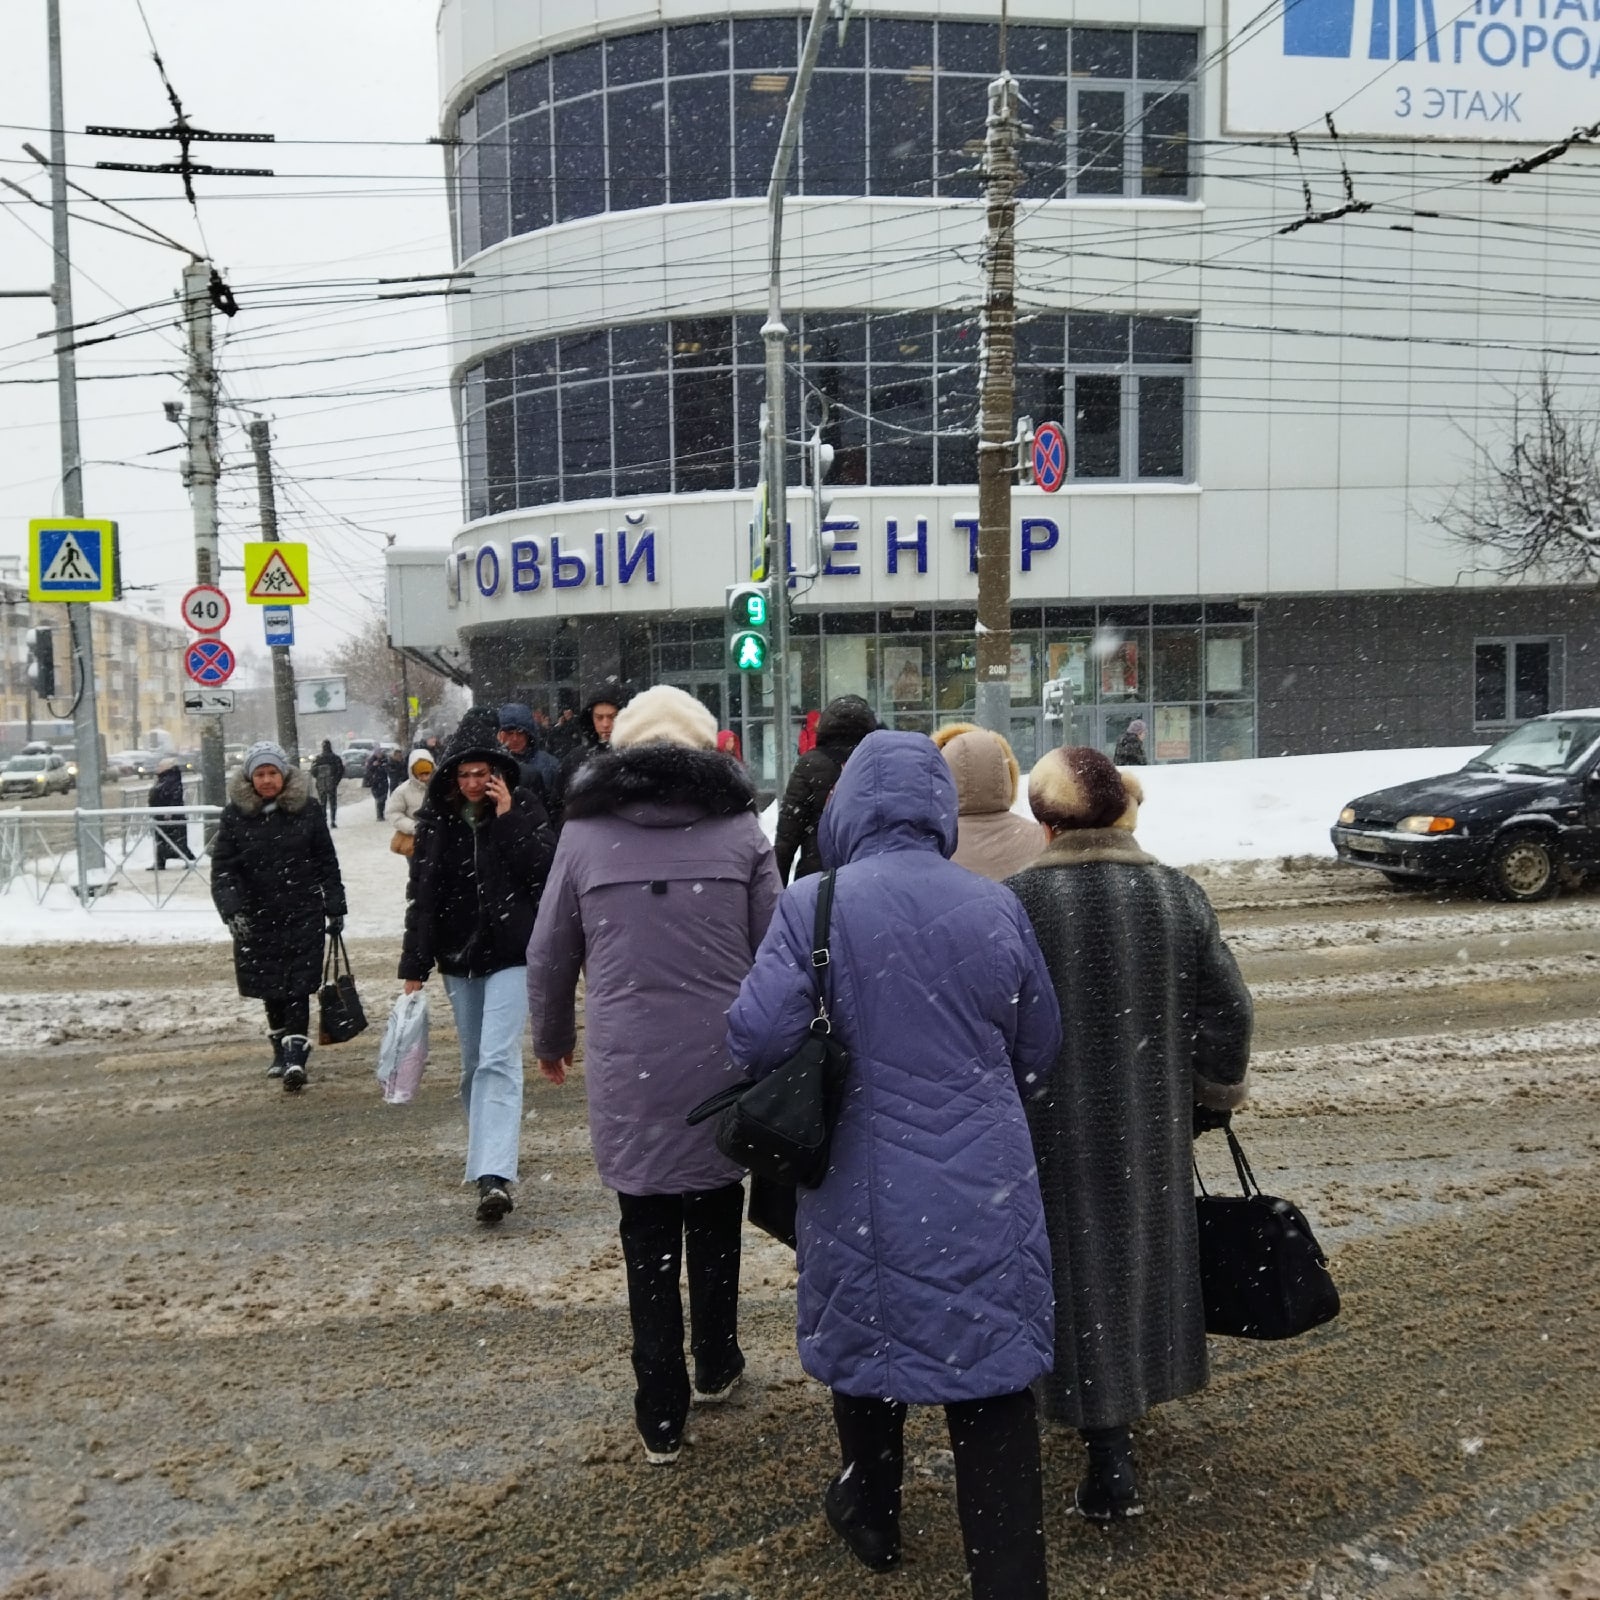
1555, 687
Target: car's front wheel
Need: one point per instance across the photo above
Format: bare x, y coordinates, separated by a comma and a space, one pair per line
1524, 866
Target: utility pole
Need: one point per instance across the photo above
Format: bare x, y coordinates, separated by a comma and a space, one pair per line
282, 667
85, 717
200, 473
996, 448
775, 466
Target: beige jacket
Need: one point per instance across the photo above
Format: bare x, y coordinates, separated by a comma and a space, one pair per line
991, 839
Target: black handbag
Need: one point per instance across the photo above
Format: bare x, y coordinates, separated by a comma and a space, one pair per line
1262, 1273
778, 1127
339, 1013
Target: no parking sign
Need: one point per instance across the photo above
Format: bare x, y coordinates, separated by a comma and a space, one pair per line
208, 662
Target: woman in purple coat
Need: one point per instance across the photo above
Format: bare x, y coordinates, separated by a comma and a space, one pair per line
662, 887
924, 1263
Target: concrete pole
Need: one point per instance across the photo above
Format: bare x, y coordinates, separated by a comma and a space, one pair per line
201, 425
86, 719
996, 399
282, 666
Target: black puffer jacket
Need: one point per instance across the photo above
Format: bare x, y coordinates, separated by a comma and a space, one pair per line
475, 879
611, 692
276, 866
844, 723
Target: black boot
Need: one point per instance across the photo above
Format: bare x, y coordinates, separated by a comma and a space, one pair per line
494, 1199
276, 1069
874, 1547
1109, 1491
296, 1052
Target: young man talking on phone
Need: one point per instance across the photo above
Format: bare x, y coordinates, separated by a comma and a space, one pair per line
483, 849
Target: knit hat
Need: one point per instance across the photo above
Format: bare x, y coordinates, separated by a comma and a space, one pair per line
517, 718
1138, 727
264, 753
664, 715
1077, 787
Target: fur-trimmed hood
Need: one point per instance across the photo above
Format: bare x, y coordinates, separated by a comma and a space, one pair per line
1078, 845
658, 775
296, 791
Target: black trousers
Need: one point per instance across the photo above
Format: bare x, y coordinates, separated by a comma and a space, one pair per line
289, 1013
330, 803
658, 1231
999, 1488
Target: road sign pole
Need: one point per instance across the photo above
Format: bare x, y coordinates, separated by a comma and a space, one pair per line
282, 666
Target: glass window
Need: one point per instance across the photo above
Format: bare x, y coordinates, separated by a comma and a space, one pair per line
639, 347
476, 450
958, 423
963, 107
697, 47
1230, 732
901, 337
642, 411
534, 363
577, 72
1097, 426
1490, 698
834, 140
901, 407
1041, 395
467, 202
901, 129
497, 377
701, 342
765, 42
971, 47
467, 123
1100, 129
491, 106
1164, 341
1167, 57
494, 195
501, 430
699, 157
634, 58
1164, 144
1097, 340
897, 44
530, 173
538, 448
1230, 663
637, 120
1175, 664
702, 406
529, 88
1102, 53
1530, 678
585, 355
759, 102
1515, 679
1161, 425
585, 440
1038, 51
580, 158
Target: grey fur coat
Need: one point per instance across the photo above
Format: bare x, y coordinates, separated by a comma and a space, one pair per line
1155, 1018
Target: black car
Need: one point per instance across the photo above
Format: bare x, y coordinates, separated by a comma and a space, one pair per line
1516, 819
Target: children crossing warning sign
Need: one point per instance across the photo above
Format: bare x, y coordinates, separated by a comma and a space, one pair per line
276, 574
72, 559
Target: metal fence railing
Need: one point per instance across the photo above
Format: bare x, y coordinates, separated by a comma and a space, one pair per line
111, 854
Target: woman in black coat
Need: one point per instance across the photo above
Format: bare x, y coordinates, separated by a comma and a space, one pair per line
275, 882
171, 828
844, 723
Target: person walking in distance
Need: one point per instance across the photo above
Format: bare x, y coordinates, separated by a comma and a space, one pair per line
482, 853
843, 724
593, 732
377, 774
275, 882
406, 802
662, 887
170, 827
327, 771
924, 1268
1155, 1048
1130, 750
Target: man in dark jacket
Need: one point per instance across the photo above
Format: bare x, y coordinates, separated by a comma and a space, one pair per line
1155, 1046
594, 726
275, 882
483, 849
844, 723
376, 774
171, 826
520, 736
327, 772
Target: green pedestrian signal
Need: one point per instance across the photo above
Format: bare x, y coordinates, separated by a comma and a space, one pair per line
749, 613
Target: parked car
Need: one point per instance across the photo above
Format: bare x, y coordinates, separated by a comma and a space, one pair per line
35, 775
135, 763
1517, 819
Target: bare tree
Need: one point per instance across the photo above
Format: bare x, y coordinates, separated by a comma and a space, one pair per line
1532, 503
372, 669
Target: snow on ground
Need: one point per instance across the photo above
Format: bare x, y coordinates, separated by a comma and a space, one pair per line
1226, 811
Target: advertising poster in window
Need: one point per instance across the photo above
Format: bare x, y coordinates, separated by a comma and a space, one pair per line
1224, 666
1119, 671
902, 674
1174, 733
1069, 662
1021, 672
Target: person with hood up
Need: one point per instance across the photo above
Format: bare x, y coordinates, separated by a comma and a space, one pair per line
593, 725
327, 772
482, 853
924, 1267
376, 775
275, 882
1130, 747
520, 735
992, 840
1155, 1048
170, 828
662, 887
406, 801
844, 723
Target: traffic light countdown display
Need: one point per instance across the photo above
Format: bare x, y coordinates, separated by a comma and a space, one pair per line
749, 612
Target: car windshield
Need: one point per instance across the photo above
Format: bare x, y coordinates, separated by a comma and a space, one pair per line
27, 763
1552, 744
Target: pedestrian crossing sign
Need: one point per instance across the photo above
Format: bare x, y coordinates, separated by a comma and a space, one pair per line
72, 559
276, 574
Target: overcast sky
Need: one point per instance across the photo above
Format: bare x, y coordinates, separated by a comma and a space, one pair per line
354, 467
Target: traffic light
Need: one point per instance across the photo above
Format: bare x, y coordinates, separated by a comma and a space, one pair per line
749, 610
819, 463
41, 644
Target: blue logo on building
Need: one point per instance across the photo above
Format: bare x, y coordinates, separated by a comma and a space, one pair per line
1327, 28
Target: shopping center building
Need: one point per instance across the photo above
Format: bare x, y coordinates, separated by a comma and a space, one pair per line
1264, 420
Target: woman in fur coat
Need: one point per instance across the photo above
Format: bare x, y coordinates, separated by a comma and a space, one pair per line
662, 887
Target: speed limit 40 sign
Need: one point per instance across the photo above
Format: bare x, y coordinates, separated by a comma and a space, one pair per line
206, 609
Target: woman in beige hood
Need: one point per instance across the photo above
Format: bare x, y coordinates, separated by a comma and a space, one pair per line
992, 840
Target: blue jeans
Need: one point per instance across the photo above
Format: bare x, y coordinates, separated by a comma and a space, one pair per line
490, 1015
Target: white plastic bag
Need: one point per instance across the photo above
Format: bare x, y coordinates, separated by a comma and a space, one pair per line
405, 1048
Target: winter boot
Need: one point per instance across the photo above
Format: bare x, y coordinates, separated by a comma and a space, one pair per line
494, 1199
1109, 1491
296, 1052
874, 1547
276, 1069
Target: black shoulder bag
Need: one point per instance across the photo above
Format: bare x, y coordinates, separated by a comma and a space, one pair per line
1262, 1273
339, 1013
779, 1126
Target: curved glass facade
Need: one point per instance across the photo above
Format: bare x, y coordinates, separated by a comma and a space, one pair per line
673, 407
693, 112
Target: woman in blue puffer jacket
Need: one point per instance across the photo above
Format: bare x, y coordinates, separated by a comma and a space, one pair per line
924, 1267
